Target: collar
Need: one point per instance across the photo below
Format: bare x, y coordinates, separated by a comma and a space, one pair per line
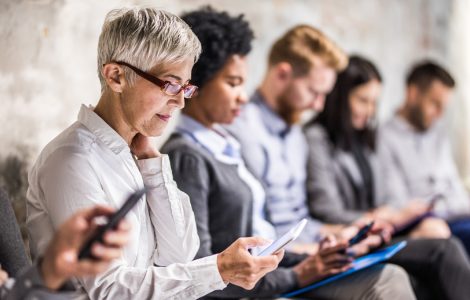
217, 141
101, 129
272, 121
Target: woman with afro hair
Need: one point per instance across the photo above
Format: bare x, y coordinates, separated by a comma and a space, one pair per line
228, 201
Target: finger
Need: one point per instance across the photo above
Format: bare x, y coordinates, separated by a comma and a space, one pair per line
105, 253
96, 211
116, 238
124, 226
266, 261
280, 254
250, 242
333, 258
334, 271
340, 246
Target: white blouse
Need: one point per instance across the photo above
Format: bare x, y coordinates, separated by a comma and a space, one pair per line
88, 164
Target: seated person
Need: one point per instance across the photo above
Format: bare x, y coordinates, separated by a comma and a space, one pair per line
342, 179
301, 72
415, 154
145, 57
60, 260
228, 201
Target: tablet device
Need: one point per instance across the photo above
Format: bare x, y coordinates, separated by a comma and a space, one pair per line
281, 242
113, 222
357, 265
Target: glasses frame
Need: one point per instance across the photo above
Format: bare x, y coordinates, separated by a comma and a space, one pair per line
163, 84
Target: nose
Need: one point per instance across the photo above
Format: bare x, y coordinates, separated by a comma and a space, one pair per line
179, 100
242, 97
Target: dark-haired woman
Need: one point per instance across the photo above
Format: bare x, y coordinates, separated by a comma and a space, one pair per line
342, 186
227, 200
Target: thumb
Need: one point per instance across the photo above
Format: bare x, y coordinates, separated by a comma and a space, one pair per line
251, 242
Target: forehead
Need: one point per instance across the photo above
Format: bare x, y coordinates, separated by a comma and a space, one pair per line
235, 64
321, 78
181, 69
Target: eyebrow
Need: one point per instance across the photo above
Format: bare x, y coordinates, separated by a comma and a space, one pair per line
235, 77
177, 78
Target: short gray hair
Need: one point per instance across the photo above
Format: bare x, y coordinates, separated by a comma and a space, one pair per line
144, 37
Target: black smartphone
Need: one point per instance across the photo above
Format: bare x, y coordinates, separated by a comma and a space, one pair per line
361, 235
113, 221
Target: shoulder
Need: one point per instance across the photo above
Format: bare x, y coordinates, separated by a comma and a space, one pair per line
71, 146
249, 125
315, 133
185, 154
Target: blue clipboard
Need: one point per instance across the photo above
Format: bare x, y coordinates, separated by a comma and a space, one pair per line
357, 265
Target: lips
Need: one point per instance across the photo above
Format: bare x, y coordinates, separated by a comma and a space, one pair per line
164, 118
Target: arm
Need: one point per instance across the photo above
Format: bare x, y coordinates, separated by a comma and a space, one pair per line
324, 198
79, 186
170, 212
457, 200
192, 174
393, 191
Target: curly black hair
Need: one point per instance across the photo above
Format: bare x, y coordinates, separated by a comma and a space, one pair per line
221, 36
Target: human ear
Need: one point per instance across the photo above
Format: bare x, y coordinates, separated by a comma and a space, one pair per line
284, 71
114, 77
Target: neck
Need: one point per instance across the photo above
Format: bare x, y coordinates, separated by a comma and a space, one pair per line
197, 113
109, 109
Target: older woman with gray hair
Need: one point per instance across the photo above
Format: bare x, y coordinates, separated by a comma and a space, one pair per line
145, 57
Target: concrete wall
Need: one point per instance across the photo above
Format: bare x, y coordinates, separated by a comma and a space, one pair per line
48, 55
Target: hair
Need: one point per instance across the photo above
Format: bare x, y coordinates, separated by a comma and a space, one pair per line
300, 45
145, 38
221, 36
336, 116
424, 73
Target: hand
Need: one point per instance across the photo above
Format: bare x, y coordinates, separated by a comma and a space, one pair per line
237, 266
60, 261
431, 228
3, 276
143, 147
329, 260
415, 208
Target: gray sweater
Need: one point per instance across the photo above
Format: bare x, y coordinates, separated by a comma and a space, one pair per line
222, 205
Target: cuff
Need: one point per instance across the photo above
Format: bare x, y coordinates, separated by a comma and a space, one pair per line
155, 171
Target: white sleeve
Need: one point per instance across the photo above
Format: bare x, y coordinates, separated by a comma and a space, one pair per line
170, 212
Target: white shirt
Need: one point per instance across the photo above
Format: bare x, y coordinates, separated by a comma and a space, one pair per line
89, 163
226, 149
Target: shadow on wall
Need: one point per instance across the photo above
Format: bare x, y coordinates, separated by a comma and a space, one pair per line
14, 179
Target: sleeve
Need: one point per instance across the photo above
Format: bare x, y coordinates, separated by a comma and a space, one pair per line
393, 190
69, 184
457, 199
324, 198
192, 175
170, 212
29, 286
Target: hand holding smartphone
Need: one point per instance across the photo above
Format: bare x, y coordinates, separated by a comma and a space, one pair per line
281, 242
361, 235
113, 222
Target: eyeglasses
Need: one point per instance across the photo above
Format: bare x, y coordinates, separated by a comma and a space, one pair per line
171, 89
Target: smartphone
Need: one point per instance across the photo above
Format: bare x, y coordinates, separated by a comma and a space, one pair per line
361, 235
281, 242
113, 221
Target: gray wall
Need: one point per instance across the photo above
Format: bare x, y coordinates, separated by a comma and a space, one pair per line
48, 55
